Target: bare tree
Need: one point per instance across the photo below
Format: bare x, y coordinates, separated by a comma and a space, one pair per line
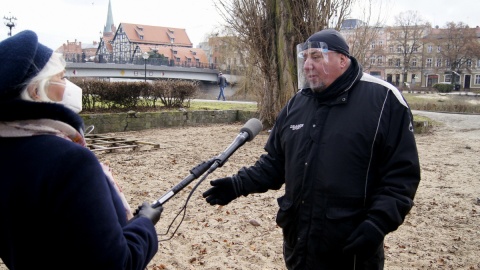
365, 37
269, 31
406, 37
458, 47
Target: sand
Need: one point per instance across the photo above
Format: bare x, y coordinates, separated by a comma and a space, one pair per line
441, 232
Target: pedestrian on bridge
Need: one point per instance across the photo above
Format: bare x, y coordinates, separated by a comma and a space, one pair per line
222, 82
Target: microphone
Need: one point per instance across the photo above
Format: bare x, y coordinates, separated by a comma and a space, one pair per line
251, 128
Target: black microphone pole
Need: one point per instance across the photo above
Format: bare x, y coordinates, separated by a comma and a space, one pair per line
247, 133
195, 173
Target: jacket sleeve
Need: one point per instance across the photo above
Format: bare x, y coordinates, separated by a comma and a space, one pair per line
92, 217
268, 172
398, 168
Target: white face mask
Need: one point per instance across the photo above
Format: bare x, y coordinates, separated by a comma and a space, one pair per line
72, 97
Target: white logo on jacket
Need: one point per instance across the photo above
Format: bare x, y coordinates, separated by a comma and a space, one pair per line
296, 127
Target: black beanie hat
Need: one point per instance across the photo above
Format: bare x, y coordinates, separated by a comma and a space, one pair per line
21, 59
333, 39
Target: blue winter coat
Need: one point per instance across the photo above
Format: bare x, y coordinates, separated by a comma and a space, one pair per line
58, 210
345, 155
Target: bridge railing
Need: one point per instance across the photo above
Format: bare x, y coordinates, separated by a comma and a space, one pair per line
159, 62
228, 69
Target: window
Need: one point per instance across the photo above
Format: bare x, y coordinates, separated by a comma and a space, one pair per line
429, 48
429, 62
380, 43
447, 63
439, 49
415, 49
372, 60
372, 45
390, 48
469, 63
397, 62
380, 60
390, 62
478, 63
477, 79
448, 78
399, 49
439, 62
414, 62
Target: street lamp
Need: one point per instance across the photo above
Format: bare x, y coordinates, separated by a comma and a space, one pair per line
172, 62
10, 23
145, 56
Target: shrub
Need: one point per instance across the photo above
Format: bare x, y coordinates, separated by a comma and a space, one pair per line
443, 88
98, 94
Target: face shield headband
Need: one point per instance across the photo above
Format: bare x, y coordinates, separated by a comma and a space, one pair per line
312, 60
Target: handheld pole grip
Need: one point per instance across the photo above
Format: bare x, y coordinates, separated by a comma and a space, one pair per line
195, 173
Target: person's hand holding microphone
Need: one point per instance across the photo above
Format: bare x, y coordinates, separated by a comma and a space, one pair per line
147, 211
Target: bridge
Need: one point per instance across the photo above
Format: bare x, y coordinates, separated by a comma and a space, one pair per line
131, 71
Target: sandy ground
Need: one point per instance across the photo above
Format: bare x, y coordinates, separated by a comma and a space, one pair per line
441, 232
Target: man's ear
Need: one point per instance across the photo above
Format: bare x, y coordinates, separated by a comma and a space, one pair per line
344, 60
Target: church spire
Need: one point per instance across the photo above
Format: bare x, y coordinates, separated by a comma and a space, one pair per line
109, 26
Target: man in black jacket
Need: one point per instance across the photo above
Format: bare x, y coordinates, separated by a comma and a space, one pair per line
345, 149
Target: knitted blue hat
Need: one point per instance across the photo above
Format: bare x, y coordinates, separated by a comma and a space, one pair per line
21, 59
334, 40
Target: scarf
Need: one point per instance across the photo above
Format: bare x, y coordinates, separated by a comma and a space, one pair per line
26, 128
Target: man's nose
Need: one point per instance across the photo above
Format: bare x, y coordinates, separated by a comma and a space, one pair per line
308, 64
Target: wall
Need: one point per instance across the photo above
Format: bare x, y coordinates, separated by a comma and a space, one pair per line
134, 121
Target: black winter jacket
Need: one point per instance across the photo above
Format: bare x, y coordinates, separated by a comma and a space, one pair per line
345, 155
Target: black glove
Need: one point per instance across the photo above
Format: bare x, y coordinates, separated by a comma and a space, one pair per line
223, 191
365, 240
146, 210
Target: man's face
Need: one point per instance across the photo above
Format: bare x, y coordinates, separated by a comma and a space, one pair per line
321, 68
315, 67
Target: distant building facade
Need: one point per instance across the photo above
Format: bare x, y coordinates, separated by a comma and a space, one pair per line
77, 51
225, 53
417, 56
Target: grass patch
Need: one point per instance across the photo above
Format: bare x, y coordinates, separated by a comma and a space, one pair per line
422, 102
197, 105
443, 103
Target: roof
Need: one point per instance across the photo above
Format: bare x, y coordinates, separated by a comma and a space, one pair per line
159, 35
181, 52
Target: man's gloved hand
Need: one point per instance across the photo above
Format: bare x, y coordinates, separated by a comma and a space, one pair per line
146, 210
365, 240
222, 192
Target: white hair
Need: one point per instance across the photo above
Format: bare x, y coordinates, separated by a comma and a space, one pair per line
55, 65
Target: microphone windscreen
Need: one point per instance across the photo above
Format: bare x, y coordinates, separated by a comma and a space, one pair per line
252, 127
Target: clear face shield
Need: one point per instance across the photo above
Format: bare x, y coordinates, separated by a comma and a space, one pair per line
312, 60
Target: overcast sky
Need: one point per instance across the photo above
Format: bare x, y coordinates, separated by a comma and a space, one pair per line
57, 21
